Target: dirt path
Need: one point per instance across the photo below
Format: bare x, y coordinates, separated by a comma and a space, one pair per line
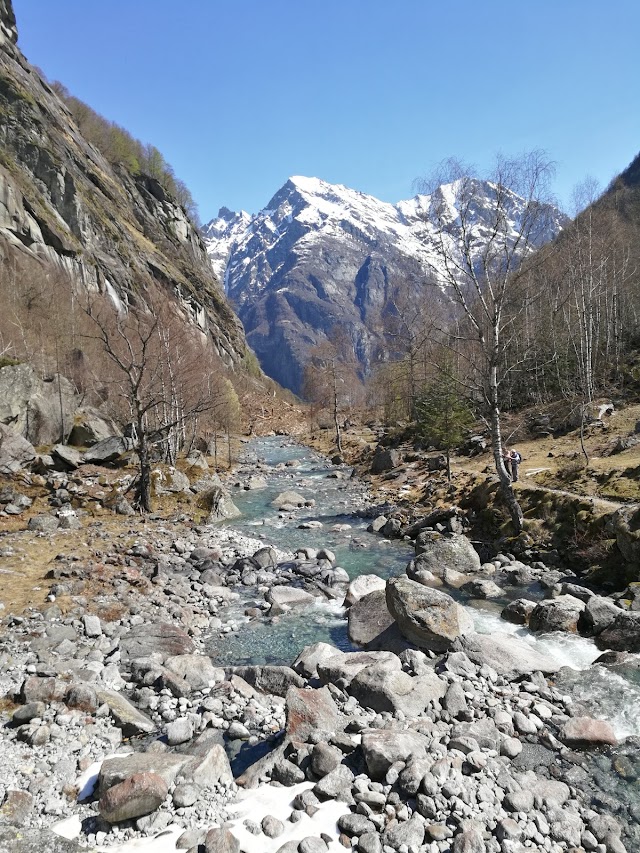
594, 501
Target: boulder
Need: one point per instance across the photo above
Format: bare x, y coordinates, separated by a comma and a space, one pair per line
220, 505
309, 711
43, 523
255, 482
220, 840
268, 679
265, 558
136, 796
196, 671
108, 451
508, 655
306, 664
91, 426
175, 482
557, 614
66, 458
383, 747
585, 730
25, 840
282, 598
481, 588
210, 769
289, 498
132, 721
361, 586
113, 771
381, 690
369, 618
483, 731
39, 410
427, 617
623, 634
155, 638
15, 451
40, 689
598, 614
451, 551
384, 459
343, 667
518, 611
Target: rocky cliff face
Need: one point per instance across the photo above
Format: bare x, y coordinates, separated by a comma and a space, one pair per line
321, 255
65, 208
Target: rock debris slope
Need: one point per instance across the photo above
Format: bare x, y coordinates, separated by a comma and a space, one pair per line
322, 254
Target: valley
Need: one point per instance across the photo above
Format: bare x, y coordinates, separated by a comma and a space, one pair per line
270, 581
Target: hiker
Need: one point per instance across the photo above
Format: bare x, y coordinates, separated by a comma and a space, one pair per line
506, 458
515, 459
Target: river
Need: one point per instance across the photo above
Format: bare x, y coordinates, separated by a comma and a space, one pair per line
608, 693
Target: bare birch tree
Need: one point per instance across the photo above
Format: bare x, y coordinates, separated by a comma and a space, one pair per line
478, 252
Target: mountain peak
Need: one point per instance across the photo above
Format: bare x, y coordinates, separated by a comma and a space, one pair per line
320, 255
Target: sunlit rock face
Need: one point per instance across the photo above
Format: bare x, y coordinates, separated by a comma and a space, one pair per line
66, 212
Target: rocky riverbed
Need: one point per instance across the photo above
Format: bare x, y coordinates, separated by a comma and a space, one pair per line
121, 724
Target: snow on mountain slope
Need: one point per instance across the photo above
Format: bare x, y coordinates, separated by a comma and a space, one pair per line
322, 254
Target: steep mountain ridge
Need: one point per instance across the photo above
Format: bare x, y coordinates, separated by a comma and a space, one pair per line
64, 209
321, 255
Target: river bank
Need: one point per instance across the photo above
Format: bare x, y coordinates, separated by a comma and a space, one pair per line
484, 739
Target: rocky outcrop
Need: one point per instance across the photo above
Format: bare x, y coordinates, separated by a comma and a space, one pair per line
65, 212
40, 410
15, 452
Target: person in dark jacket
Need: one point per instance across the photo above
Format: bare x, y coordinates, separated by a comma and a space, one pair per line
515, 460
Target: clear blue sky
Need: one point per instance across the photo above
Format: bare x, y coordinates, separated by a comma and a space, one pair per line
240, 94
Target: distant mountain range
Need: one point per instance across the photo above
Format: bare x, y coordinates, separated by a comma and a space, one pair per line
321, 255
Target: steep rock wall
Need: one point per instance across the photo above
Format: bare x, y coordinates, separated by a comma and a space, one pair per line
63, 206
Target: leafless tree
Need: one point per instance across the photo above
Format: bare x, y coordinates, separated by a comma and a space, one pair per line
159, 376
330, 378
480, 267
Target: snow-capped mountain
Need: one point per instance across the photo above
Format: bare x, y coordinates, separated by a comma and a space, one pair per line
321, 255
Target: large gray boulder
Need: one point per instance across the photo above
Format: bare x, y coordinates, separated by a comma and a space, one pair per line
221, 505
598, 614
383, 747
508, 655
342, 668
41, 410
369, 618
557, 614
15, 451
306, 664
269, 679
361, 586
162, 638
384, 459
427, 617
383, 690
132, 721
438, 551
108, 450
282, 598
623, 634
91, 426
196, 671
288, 498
